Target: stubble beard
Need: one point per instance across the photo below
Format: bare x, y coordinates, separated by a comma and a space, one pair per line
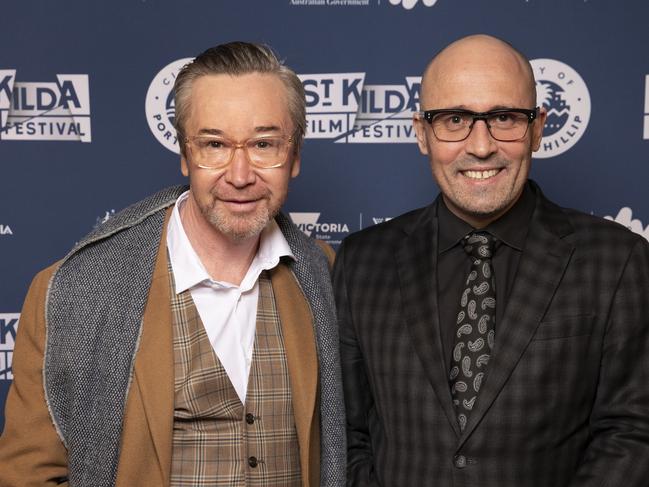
238, 227
492, 203
482, 202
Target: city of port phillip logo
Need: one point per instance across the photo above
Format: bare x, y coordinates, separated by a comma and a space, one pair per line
342, 108
159, 105
564, 94
44, 110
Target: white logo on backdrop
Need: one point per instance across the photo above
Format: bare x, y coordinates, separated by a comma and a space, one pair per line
57, 110
409, 4
406, 4
625, 217
381, 219
342, 108
332, 3
564, 94
8, 329
160, 107
308, 223
5, 230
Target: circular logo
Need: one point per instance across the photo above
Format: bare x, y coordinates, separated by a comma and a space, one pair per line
564, 94
159, 104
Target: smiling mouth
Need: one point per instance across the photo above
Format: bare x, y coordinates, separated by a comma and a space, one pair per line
479, 175
241, 202
241, 205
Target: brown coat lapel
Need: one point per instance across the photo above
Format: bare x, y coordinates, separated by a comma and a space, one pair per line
145, 458
299, 342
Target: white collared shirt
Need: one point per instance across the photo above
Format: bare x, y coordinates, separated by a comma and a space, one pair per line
228, 311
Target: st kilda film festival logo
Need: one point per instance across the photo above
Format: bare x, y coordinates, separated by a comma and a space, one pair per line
8, 329
160, 107
342, 108
44, 110
564, 94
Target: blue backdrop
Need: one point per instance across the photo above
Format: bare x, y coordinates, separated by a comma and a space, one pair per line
85, 108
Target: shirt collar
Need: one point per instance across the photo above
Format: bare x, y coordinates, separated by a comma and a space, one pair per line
188, 269
511, 228
451, 228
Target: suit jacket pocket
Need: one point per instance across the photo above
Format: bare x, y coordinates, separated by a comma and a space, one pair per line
564, 327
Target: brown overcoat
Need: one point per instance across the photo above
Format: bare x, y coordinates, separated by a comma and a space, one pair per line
31, 452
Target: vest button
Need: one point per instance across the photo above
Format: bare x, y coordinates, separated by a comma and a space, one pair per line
250, 418
252, 461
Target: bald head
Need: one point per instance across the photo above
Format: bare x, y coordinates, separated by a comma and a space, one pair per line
477, 56
480, 176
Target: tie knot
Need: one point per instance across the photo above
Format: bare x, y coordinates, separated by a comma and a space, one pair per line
480, 245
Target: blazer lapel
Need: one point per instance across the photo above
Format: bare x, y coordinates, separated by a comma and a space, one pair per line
299, 344
539, 273
154, 364
416, 264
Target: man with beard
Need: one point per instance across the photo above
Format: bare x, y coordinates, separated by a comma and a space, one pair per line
493, 339
191, 339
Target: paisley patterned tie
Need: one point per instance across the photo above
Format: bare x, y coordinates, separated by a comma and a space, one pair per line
474, 337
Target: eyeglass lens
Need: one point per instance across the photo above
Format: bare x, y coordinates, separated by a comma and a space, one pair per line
262, 151
503, 126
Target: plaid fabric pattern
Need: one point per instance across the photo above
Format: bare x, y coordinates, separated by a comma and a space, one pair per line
217, 441
566, 401
273, 438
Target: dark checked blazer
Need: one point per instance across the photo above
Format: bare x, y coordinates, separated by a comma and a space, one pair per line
566, 398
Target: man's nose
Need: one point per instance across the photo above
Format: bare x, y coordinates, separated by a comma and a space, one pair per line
240, 172
480, 143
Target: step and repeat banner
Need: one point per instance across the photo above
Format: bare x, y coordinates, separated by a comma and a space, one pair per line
86, 110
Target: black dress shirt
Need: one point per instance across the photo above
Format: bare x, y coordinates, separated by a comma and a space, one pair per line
453, 263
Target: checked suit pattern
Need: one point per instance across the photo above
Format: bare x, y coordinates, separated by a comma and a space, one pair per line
474, 338
565, 401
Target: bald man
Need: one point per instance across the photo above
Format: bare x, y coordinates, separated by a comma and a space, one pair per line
493, 339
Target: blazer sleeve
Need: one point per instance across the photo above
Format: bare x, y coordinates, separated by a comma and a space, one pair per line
31, 452
618, 453
358, 396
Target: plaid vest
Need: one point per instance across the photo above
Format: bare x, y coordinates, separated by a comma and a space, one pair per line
216, 439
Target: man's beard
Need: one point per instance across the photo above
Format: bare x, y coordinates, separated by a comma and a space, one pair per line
238, 227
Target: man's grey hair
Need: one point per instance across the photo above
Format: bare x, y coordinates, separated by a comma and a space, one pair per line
235, 59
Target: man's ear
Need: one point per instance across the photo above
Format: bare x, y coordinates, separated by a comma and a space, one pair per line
537, 128
295, 164
420, 133
184, 169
